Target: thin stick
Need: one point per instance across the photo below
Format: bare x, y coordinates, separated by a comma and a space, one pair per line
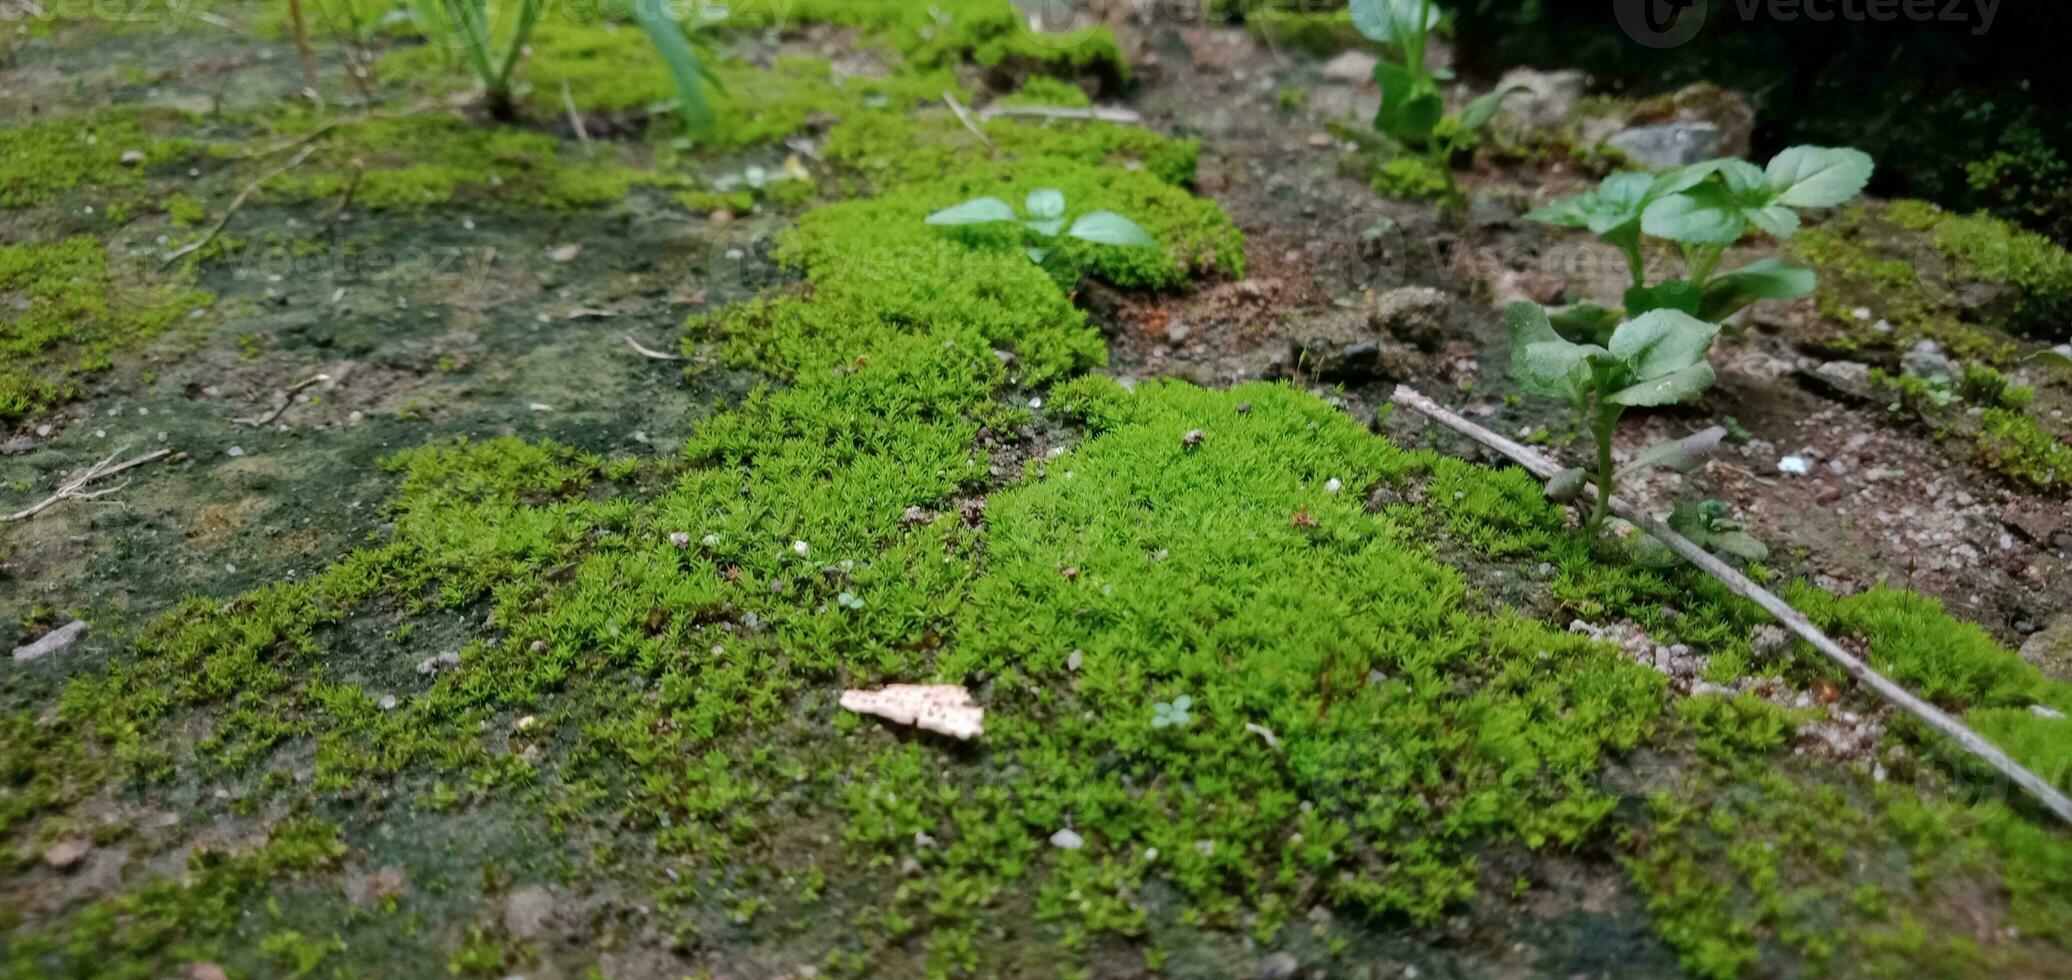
76, 487
303, 50
1930, 715
645, 352
345, 199
575, 119
287, 400
235, 203
964, 116
1093, 114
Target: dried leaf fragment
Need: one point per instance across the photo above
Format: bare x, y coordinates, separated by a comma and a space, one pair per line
945, 709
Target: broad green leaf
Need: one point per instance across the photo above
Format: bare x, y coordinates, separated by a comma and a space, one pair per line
1569, 212
1776, 220
1667, 389
1586, 322
1543, 363
686, 71
2052, 356
1047, 227
1680, 456
1109, 228
1045, 203
1566, 485
1818, 176
1037, 255
1478, 113
1676, 294
1662, 342
1411, 105
977, 211
1702, 215
1684, 178
1728, 292
1616, 202
1393, 21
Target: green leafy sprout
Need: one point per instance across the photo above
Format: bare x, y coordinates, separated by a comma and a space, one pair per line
1703, 209
1046, 221
1413, 110
469, 25
1172, 714
1657, 358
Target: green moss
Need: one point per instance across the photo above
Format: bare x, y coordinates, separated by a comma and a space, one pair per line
1302, 29
415, 162
1413, 178
42, 159
1047, 91
69, 313
991, 33
1983, 407
2013, 443
890, 148
2000, 251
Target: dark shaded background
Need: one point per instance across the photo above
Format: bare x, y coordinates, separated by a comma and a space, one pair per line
1924, 99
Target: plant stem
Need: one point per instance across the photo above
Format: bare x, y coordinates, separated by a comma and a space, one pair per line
1606, 423
1636, 265
1700, 268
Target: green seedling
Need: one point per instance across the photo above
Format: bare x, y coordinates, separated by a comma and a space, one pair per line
1413, 110
1046, 221
1706, 524
469, 25
1657, 358
1172, 714
1703, 209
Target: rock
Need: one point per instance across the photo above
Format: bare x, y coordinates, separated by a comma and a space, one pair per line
131, 158
1668, 145
566, 253
1927, 360
1344, 346
1351, 67
17, 445
1279, 966
1725, 111
1067, 839
1416, 314
51, 642
66, 853
1846, 379
527, 912
2045, 711
1486, 210
2050, 651
945, 709
444, 660
1548, 99
203, 971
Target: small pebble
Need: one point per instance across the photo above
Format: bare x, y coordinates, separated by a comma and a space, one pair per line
1067, 839
1794, 466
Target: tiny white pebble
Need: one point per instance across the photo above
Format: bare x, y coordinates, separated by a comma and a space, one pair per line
1794, 465
1035, 403
234, 451
801, 548
1332, 485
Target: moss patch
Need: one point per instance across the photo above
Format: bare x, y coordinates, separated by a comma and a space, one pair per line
64, 312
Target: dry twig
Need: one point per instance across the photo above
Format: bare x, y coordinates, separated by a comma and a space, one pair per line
575, 119
1089, 114
1930, 715
964, 116
287, 400
645, 352
75, 488
235, 203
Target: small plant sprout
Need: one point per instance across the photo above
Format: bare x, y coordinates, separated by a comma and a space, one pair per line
1655, 359
1703, 209
1172, 714
471, 26
1046, 221
1707, 525
1413, 110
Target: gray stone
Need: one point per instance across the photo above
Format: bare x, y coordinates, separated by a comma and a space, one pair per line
445, 660
1279, 966
1547, 100
51, 642
1486, 210
527, 912
1704, 102
1345, 346
1067, 839
1415, 314
1845, 378
1927, 360
2050, 651
1669, 145
1353, 67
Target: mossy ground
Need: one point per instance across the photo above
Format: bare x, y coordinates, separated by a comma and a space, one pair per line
655, 584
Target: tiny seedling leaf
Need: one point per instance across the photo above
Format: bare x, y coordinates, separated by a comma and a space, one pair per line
1109, 228
1566, 485
1676, 294
1393, 21
1703, 215
1477, 113
1045, 203
977, 211
1680, 456
1763, 279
